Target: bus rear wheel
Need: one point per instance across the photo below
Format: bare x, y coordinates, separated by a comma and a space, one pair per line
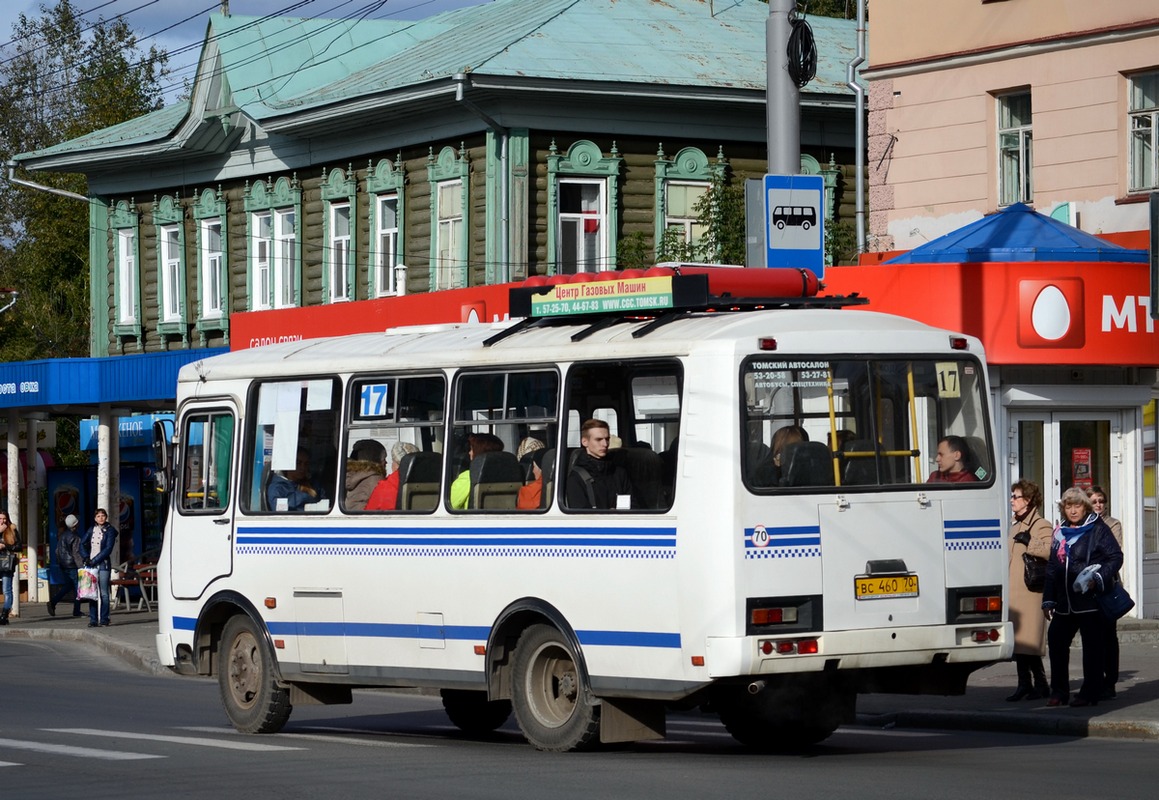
253, 702
550, 694
473, 713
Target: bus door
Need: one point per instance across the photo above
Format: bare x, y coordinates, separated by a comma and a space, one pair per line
200, 546
884, 562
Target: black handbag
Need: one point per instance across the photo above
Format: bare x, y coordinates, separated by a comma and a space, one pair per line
9, 562
1115, 602
1034, 572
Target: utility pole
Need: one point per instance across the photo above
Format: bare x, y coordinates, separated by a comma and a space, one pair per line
783, 98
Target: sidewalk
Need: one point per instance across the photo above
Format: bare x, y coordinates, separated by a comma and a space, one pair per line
1134, 714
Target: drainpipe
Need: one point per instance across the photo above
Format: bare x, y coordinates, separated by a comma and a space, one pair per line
504, 271
859, 124
39, 186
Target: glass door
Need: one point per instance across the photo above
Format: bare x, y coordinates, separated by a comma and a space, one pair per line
1061, 449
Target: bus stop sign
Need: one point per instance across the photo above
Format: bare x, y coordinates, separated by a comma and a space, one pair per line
795, 222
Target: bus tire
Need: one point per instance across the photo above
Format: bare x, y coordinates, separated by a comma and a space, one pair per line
253, 701
549, 693
473, 713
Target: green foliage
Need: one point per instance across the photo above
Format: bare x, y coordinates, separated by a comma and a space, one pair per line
633, 252
61, 77
841, 242
721, 210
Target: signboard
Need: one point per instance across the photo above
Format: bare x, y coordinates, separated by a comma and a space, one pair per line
1080, 463
795, 222
604, 297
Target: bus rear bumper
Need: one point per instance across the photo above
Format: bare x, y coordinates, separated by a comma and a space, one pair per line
872, 650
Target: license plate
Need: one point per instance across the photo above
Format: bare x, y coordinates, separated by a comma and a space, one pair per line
883, 587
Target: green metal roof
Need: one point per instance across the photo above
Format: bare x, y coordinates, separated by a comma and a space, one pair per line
277, 67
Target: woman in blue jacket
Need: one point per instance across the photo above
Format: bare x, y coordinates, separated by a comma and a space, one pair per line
97, 548
1084, 559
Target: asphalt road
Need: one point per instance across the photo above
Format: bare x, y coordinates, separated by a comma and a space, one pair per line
75, 722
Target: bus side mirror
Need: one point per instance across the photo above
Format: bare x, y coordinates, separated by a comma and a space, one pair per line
162, 453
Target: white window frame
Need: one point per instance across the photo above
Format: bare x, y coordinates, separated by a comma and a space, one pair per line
211, 260
285, 250
1143, 130
683, 223
385, 245
170, 244
580, 260
126, 276
340, 252
449, 230
1015, 152
262, 227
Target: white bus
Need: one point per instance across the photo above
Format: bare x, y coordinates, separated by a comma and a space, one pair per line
769, 587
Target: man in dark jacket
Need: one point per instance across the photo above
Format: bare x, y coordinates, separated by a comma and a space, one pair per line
594, 481
68, 560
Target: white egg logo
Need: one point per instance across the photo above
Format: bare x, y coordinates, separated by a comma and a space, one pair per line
1050, 315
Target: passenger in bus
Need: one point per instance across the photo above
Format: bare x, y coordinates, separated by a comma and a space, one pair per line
477, 443
770, 471
594, 481
954, 462
364, 471
292, 490
1084, 559
531, 493
1030, 534
385, 494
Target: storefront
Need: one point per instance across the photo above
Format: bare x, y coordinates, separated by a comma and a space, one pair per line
1064, 317
32, 392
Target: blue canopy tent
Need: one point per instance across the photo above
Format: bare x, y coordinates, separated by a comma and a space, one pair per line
1018, 233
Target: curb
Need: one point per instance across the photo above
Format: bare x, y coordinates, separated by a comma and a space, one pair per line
133, 656
1075, 727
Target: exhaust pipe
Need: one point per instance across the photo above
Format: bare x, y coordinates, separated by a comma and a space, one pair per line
756, 687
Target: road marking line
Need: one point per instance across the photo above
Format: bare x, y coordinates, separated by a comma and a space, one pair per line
190, 740
322, 738
69, 750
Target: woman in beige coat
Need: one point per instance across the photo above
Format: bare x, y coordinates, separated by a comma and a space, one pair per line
1029, 533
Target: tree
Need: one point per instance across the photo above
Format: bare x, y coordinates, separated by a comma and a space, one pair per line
60, 77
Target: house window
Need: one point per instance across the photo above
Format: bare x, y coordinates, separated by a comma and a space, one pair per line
680, 212
274, 249
449, 233
1144, 114
583, 225
212, 257
1015, 146
170, 273
126, 276
386, 244
339, 251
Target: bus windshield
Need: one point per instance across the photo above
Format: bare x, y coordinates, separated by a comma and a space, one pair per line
863, 423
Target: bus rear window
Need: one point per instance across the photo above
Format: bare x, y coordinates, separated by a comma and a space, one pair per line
818, 423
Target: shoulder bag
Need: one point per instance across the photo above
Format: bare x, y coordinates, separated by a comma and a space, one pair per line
1115, 602
9, 562
1034, 572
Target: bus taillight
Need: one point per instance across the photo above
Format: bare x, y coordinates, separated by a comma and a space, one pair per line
984, 636
773, 616
980, 605
788, 647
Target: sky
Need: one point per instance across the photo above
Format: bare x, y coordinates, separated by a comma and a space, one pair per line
178, 26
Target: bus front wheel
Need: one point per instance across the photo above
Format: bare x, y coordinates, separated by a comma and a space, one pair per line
253, 702
550, 695
473, 713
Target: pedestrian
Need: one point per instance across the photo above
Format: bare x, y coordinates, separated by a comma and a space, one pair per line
1031, 535
1083, 561
10, 546
97, 548
68, 559
1102, 507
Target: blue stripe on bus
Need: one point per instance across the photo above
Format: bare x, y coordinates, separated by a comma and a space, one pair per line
796, 536
965, 535
330, 534
512, 539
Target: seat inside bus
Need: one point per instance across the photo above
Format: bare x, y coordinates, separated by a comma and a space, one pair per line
418, 481
809, 464
645, 470
495, 481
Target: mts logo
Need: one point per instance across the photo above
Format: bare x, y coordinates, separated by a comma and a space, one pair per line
1131, 313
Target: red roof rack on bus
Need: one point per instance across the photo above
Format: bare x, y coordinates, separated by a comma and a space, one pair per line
664, 293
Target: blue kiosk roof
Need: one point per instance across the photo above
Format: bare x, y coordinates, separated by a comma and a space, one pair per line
62, 384
1018, 233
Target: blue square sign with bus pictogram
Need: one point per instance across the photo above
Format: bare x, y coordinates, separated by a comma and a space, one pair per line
795, 222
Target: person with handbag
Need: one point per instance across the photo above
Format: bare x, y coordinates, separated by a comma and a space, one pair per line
97, 548
1030, 541
10, 546
1099, 502
1084, 559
